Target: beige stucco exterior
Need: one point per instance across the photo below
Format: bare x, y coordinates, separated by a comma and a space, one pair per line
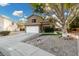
6, 24
38, 20
40, 23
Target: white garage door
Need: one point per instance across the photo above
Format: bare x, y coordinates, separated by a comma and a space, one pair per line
32, 29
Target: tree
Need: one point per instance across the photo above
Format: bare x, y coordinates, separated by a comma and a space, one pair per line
63, 13
75, 23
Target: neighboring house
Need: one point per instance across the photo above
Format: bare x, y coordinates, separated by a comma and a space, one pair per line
36, 24
12, 27
21, 25
6, 24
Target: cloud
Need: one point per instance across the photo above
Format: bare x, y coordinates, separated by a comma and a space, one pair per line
18, 13
3, 4
24, 18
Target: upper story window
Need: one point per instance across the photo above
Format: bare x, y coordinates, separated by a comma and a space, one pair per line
33, 20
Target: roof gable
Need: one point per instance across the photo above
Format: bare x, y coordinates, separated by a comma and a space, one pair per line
35, 16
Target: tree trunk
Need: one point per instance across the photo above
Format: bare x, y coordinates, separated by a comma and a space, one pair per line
64, 32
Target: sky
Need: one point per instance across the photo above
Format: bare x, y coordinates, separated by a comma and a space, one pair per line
16, 11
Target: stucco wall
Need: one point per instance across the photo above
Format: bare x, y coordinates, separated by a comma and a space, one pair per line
38, 19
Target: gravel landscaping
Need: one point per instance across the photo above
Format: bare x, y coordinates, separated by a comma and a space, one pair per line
55, 45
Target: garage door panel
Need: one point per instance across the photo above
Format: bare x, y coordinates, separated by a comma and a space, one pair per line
32, 29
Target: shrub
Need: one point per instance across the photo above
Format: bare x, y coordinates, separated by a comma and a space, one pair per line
59, 33
48, 29
4, 33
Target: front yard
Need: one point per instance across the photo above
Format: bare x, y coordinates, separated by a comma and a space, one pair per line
55, 45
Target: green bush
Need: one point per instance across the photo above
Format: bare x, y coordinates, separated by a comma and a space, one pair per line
75, 23
4, 33
59, 33
48, 29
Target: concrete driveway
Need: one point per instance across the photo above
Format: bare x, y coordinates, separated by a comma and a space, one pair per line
13, 45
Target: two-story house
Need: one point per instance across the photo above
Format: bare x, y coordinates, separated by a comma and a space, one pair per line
36, 24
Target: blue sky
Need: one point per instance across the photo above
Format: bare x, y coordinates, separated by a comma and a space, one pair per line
10, 8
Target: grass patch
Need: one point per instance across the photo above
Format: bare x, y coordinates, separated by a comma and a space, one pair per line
49, 33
